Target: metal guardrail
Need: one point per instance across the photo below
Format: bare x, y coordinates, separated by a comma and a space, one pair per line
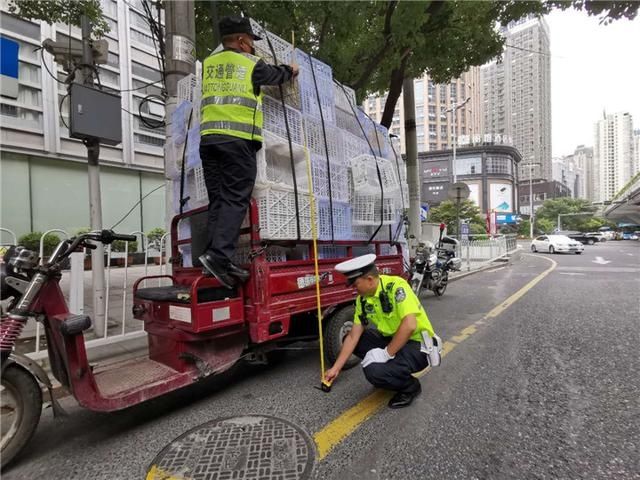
119, 325
478, 253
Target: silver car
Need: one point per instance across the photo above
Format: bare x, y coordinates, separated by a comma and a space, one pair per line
556, 243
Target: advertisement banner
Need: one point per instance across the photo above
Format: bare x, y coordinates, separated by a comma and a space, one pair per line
500, 196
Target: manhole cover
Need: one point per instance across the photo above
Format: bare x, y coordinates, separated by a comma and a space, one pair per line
251, 447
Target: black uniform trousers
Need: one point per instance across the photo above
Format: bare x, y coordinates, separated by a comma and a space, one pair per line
229, 174
396, 373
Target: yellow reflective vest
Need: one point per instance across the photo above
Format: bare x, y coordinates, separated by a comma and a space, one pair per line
403, 301
229, 105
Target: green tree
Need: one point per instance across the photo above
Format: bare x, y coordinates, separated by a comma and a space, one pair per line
550, 210
374, 45
447, 213
31, 241
544, 225
524, 228
371, 45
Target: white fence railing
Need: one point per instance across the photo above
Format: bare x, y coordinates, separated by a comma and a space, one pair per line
475, 253
120, 275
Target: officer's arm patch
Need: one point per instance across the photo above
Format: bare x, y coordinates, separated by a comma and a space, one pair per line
400, 294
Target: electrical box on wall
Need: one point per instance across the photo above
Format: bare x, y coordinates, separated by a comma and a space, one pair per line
94, 114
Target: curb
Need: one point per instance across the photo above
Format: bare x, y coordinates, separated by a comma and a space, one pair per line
507, 258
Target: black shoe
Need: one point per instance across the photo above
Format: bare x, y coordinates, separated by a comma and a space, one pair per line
239, 273
404, 399
222, 275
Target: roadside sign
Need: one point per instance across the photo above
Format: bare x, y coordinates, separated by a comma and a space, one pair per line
9, 67
506, 218
464, 231
424, 212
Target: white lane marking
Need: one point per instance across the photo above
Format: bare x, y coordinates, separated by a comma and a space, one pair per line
571, 273
600, 261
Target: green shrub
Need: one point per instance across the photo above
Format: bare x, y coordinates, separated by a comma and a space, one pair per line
154, 236
119, 246
31, 241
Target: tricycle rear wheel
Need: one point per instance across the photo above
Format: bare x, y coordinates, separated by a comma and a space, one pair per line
21, 408
338, 327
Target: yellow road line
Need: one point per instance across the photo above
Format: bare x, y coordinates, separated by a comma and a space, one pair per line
340, 428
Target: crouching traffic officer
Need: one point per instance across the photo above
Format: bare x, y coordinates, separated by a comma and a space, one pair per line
231, 134
401, 339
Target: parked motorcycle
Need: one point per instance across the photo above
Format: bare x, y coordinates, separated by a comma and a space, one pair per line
431, 266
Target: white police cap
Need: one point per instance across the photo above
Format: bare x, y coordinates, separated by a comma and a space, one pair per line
356, 267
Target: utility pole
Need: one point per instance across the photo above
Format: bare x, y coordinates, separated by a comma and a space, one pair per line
453, 110
413, 174
95, 198
180, 61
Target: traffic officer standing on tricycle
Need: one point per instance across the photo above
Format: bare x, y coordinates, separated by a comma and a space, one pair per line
402, 341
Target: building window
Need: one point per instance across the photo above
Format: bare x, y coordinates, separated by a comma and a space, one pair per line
443, 94
432, 131
148, 140
17, 25
468, 166
433, 146
420, 111
500, 165
144, 71
20, 117
432, 91
418, 87
454, 92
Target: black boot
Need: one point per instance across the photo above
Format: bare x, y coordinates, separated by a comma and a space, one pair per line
404, 399
239, 273
214, 269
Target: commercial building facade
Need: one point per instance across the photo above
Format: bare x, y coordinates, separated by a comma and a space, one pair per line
44, 181
490, 171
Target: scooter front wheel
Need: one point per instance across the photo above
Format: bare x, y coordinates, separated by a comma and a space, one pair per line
442, 286
21, 399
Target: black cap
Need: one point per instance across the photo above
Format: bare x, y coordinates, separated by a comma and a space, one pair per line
231, 25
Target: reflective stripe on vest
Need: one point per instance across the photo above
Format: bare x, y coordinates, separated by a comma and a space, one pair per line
229, 105
237, 126
246, 102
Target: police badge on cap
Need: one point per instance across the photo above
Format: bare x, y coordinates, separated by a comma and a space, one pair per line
356, 267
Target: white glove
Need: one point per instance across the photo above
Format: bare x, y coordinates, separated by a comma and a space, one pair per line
376, 355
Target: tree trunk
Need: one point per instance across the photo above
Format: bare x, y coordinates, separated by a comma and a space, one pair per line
395, 89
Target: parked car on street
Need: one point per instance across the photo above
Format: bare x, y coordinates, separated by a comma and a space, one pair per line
556, 243
583, 238
598, 236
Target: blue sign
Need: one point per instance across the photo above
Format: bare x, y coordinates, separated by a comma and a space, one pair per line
424, 212
9, 67
507, 218
464, 231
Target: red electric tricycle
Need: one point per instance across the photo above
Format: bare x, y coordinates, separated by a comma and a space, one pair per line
195, 327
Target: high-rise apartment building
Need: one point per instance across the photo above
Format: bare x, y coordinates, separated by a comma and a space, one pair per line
583, 159
516, 95
44, 172
434, 127
613, 148
565, 170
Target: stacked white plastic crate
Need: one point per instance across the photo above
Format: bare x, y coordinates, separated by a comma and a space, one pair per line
341, 157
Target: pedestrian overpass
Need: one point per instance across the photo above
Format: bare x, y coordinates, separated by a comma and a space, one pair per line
625, 206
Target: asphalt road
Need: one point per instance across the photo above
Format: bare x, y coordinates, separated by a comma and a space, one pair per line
547, 386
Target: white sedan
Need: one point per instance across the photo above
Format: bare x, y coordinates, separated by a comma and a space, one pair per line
556, 243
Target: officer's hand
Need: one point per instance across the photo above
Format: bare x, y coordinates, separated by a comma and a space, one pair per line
331, 374
376, 355
295, 70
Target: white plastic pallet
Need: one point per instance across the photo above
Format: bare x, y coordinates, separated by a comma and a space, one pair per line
315, 139
341, 221
277, 210
274, 120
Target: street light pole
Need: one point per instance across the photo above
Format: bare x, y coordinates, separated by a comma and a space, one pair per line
531, 200
453, 109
